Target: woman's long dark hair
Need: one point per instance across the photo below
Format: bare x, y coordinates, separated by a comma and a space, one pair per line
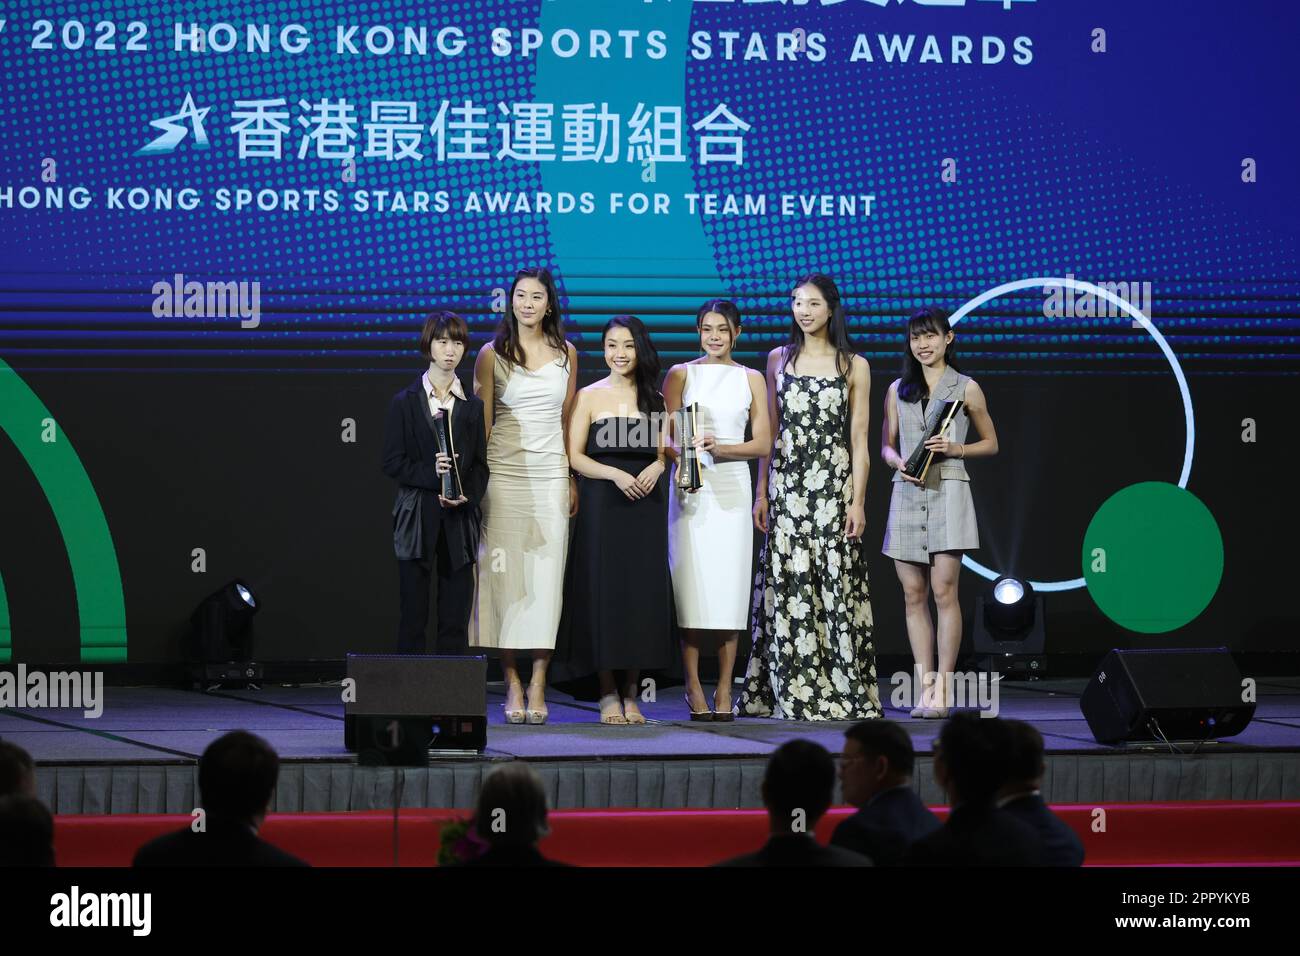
912, 385
648, 399
506, 342
837, 327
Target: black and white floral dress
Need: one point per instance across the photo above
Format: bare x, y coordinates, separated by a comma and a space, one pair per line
812, 657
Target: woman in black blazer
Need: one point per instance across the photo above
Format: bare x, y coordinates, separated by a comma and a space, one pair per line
429, 529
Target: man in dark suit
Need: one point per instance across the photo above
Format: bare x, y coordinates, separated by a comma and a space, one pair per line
429, 528
1021, 796
876, 777
237, 775
797, 790
970, 764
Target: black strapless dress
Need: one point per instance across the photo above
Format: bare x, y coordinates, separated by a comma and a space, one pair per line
617, 593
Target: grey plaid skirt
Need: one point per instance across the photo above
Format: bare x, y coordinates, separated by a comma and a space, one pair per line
936, 516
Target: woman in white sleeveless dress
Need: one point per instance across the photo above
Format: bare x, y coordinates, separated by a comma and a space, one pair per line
710, 533
526, 378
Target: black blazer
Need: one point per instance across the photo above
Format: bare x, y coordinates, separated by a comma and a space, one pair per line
410, 452
798, 849
1063, 846
889, 823
978, 836
223, 844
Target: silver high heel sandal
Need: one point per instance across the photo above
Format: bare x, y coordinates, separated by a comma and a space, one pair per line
538, 716
513, 716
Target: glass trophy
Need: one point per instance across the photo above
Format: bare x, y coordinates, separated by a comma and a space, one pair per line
688, 464
918, 465
451, 489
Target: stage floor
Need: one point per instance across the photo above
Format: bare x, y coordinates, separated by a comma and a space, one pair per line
140, 754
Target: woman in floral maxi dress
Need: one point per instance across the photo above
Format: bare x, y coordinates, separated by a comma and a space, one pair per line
812, 656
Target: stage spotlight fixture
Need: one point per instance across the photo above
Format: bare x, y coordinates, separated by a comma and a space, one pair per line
1008, 590
221, 645
1012, 609
1009, 632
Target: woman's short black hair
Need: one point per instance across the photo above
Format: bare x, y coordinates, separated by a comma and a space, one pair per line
443, 324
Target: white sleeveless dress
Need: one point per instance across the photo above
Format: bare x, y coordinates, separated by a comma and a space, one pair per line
525, 535
711, 532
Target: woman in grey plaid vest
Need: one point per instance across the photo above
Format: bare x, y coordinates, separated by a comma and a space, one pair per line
932, 522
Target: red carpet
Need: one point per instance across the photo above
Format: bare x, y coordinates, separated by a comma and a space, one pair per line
1132, 834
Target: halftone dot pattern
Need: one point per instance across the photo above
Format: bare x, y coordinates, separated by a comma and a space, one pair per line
1033, 196
362, 276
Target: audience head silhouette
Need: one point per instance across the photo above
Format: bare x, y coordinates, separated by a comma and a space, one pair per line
237, 776
797, 791
511, 807
1024, 758
878, 756
17, 772
798, 785
26, 832
970, 758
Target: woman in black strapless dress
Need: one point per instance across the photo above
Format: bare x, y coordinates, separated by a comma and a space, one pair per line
617, 598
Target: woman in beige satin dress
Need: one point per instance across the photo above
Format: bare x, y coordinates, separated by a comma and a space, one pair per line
526, 378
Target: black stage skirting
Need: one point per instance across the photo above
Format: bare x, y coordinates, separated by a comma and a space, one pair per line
141, 755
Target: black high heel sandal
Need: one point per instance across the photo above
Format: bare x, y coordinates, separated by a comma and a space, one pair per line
697, 715
725, 715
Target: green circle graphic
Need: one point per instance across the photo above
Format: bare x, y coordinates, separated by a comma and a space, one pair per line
1152, 557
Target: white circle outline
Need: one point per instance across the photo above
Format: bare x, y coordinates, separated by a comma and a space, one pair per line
1137, 316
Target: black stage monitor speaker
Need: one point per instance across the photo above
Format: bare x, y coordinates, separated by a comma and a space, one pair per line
404, 705
1173, 694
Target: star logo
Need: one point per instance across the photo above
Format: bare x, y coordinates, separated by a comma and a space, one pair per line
174, 129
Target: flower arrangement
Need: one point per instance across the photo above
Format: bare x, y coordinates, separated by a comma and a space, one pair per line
458, 843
